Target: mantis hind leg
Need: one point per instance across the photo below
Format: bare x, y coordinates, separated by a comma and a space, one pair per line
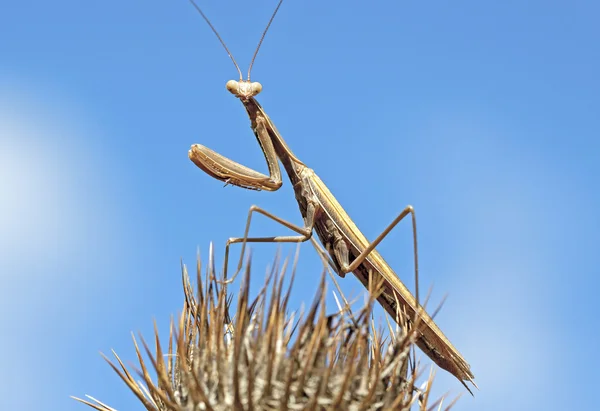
342, 253
305, 234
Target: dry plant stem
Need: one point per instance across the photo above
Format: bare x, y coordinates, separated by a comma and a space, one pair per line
319, 362
349, 249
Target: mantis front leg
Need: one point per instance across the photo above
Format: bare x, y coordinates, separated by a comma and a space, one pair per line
231, 172
305, 234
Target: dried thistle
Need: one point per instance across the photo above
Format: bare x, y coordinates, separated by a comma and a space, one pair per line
265, 360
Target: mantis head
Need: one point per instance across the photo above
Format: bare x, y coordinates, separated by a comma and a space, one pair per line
244, 89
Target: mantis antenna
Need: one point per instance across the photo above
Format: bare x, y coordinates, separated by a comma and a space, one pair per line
225, 46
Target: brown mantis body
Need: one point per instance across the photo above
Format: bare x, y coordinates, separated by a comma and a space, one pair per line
349, 250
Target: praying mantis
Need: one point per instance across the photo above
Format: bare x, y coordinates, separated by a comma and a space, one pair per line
348, 248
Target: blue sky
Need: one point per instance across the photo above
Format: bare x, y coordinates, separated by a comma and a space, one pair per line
482, 116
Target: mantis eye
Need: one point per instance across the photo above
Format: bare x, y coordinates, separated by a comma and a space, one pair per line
256, 88
232, 86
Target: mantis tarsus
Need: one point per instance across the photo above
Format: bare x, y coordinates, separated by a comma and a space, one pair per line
349, 250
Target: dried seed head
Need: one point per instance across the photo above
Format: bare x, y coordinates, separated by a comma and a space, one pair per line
264, 360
